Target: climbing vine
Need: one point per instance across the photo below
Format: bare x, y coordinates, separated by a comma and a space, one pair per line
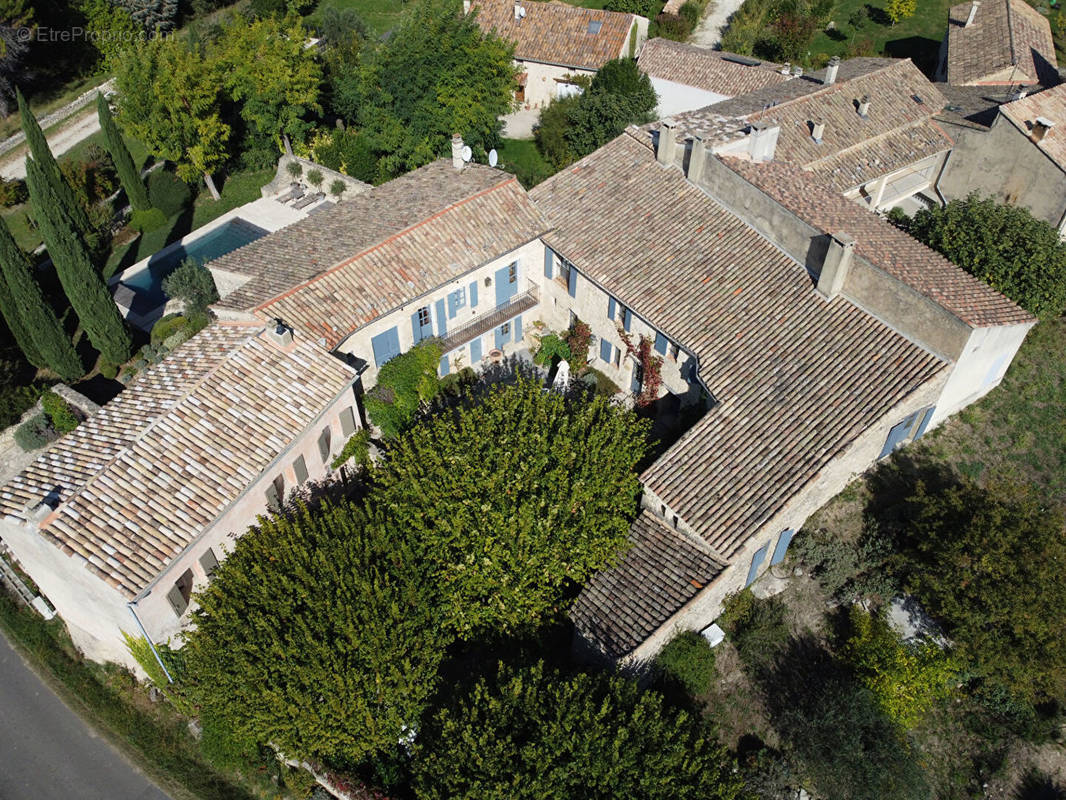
650, 364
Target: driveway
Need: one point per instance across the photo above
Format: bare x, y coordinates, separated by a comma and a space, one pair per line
50, 752
709, 32
81, 127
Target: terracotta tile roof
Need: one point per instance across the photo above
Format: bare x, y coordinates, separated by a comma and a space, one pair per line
973, 105
282, 260
370, 283
558, 33
883, 244
797, 378
1005, 34
660, 572
143, 477
1049, 104
710, 70
898, 129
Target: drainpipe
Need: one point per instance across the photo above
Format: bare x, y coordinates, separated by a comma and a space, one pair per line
148, 639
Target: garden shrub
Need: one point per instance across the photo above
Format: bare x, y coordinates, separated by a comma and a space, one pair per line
357, 448
907, 678
34, 433
167, 193
454, 382
688, 660
108, 370
193, 283
149, 219
603, 385
642, 8
552, 347
170, 324
577, 340
337, 188
848, 570
62, 416
757, 628
13, 192
176, 339
404, 384
15, 400
295, 169
314, 177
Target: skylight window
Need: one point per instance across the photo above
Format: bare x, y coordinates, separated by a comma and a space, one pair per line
595, 25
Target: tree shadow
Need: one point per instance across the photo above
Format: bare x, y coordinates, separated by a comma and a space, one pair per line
922, 51
878, 15
893, 482
1035, 786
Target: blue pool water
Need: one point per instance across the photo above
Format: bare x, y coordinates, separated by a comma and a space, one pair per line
149, 281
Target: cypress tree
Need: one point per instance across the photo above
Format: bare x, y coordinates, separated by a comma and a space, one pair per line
9, 310
82, 283
45, 332
50, 169
120, 154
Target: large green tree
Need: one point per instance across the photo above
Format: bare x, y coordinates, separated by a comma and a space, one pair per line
317, 634
535, 734
128, 173
170, 97
1003, 245
31, 320
438, 74
514, 498
267, 66
81, 282
987, 562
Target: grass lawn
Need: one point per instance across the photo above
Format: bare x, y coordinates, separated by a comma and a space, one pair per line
521, 157
238, 189
380, 16
45, 102
917, 38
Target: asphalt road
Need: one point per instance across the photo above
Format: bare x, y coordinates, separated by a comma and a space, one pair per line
48, 753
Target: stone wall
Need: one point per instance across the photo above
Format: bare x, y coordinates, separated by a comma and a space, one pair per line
282, 179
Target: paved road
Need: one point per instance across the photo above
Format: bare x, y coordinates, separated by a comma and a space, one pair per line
47, 752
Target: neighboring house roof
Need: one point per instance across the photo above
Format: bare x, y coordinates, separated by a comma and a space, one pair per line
898, 129
1009, 41
710, 70
796, 378
661, 571
883, 244
289, 257
397, 270
558, 33
1049, 105
140, 479
974, 106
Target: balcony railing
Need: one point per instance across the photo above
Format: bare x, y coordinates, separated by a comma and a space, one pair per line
493, 319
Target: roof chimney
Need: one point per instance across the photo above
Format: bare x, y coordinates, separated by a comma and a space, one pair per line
973, 13
786, 68
831, 71
1040, 128
817, 131
697, 159
279, 333
864, 106
519, 12
466, 7
797, 71
457, 151
836, 265
763, 143
664, 154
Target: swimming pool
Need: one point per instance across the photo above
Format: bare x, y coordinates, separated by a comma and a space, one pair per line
148, 282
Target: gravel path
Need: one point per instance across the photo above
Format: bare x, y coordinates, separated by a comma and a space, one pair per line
709, 32
82, 127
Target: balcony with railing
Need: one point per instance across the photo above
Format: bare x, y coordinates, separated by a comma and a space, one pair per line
493, 319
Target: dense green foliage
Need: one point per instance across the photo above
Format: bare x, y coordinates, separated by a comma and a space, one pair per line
552, 347
60, 414
642, 8
317, 634
34, 432
574, 126
10, 305
534, 734
192, 283
436, 75
688, 661
555, 478
128, 173
13, 192
15, 400
1003, 245
987, 563
907, 678
356, 450
848, 570
778, 30
167, 193
404, 384
82, 284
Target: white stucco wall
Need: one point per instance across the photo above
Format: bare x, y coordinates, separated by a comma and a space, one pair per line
677, 97
542, 81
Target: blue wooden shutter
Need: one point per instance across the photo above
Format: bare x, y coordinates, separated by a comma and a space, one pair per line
897, 435
518, 328
475, 350
782, 546
453, 304
925, 422
610, 308
386, 345
547, 262
473, 293
416, 329
756, 562
572, 285
442, 322
443, 366
605, 350
627, 320
660, 344
501, 338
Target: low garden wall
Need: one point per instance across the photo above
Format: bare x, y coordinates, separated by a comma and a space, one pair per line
283, 179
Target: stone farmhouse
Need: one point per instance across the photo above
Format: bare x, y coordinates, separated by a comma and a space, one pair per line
555, 41
809, 336
866, 127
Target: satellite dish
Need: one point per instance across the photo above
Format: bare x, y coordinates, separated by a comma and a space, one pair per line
467, 153
493, 157
522, 11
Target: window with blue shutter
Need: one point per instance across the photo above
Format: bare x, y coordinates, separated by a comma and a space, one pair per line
660, 344
475, 350
547, 262
456, 300
605, 351
627, 320
925, 422
571, 283
518, 328
756, 562
503, 335
908, 430
386, 345
610, 308
473, 294
443, 366
782, 546
442, 321
421, 324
